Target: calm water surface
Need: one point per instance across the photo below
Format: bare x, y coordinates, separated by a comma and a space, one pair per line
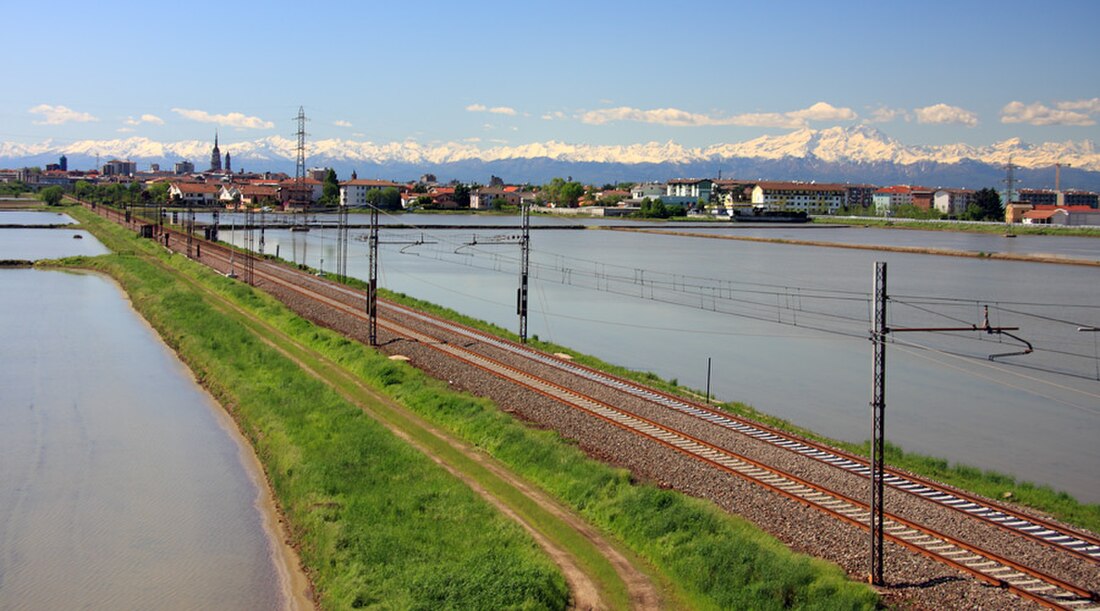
34, 217
120, 485
786, 329
35, 244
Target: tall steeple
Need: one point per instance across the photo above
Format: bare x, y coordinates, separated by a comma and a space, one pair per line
216, 156
228, 163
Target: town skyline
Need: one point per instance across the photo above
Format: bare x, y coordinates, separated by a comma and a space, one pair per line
497, 76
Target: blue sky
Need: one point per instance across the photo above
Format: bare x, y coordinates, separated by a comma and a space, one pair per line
697, 73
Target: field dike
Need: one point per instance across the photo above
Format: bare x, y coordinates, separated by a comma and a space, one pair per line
376, 519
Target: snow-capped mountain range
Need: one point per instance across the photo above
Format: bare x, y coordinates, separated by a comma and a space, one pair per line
847, 147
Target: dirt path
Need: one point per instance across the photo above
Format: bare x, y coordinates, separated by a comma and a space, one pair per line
481, 472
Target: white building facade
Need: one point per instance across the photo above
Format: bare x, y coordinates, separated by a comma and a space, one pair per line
952, 202
353, 193
802, 197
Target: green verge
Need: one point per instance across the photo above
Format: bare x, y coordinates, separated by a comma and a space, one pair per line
377, 523
712, 559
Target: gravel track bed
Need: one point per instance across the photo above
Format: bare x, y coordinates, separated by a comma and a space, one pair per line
919, 582
908, 506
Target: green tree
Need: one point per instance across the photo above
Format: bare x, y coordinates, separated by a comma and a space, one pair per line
84, 190
134, 190
12, 188
498, 203
985, 205
158, 193
655, 209
51, 195
552, 188
390, 199
462, 196
330, 193
912, 212
569, 194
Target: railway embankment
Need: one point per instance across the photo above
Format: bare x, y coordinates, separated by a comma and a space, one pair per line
711, 559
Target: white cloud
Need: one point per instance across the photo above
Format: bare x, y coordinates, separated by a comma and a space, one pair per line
550, 116
820, 111
125, 130
58, 115
938, 114
496, 110
233, 119
883, 114
1066, 113
823, 111
146, 118
661, 116
1090, 106
341, 123
472, 139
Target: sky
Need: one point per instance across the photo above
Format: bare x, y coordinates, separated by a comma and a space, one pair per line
510, 73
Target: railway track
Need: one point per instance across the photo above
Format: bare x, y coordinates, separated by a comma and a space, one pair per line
986, 565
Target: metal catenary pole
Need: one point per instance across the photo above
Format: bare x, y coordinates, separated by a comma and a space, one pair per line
525, 260
878, 428
372, 282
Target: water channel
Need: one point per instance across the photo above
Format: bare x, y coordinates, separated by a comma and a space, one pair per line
786, 326
122, 483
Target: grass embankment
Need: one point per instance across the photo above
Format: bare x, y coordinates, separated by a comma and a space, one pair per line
999, 228
987, 483
376, 522
713, 560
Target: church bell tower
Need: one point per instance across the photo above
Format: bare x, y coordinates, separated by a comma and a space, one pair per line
216, 156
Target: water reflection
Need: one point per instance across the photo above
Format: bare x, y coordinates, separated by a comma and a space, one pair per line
36, 244
118, 486
34, 217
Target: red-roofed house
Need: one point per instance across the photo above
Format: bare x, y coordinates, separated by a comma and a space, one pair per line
1046, 217
194, 193
1061, 215
287, 191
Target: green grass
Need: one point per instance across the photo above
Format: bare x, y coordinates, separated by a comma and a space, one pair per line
377, 522
712, 559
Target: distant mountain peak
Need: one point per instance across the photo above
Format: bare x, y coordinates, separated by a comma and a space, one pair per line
858, 144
